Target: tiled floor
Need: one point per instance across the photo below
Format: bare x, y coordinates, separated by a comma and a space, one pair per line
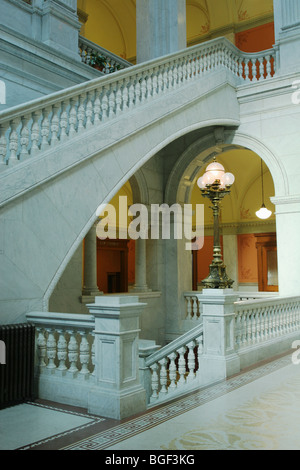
258, 409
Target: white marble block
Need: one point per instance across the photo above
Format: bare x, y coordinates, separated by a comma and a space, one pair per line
118, 392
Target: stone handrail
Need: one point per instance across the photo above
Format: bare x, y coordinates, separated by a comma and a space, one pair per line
98, 57
65, 343
174, 367
37, 127
261, 320
194, 308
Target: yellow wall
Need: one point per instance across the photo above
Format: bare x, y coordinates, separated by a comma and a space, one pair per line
112, 23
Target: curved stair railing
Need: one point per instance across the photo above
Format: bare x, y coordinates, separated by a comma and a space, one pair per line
33, 128
175, 367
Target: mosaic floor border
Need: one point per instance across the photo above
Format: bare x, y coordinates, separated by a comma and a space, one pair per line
154, 417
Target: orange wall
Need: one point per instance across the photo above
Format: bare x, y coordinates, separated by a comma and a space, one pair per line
256, 39
204, 257
247, 258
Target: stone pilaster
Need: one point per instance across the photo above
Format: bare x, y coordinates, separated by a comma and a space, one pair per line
118, 392
161, 28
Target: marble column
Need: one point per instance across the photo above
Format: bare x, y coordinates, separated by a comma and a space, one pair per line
90, 287
161, 28
288, 246
140, 266
287, 34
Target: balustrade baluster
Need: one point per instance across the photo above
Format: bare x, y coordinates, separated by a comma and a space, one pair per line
104, 103
125, 96
170, 76
54, 127
51, 348
93, 353
154, 381
45, 128
175, 75
247, 70
261, 73
73, 117
35, 133
254, 70
191, 361
149, 83
155, 82
84, 53
163, 376
181, 365
189, 307
24, 138
84, 353
111, 102
173, 371
131, 94
268, 66
89, 109
62, 350
97, 107
119, 100
73, 352
13, 142
81, 112
165, 79
238, 330
63, 121
194, 66
143, 87
196, 313
254, 326
3, 147
41, 347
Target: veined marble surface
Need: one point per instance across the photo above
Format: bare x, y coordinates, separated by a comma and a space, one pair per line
261, 415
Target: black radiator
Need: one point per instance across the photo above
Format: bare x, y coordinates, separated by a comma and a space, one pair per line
17, 374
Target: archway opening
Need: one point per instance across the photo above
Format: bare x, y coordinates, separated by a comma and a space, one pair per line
248, 243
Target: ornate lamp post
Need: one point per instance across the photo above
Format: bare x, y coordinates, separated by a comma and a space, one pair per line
214, 185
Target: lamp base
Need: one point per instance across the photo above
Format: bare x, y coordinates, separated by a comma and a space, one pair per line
217, 278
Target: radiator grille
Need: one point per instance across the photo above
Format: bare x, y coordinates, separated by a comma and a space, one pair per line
17, 374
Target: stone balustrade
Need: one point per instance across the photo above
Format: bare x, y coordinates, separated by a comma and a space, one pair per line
193, 305
98, 57
64, 344
37, 127
248, 330
175, 367
260, 321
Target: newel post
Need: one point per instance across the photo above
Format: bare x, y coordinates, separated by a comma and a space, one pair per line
219, 359
118, 392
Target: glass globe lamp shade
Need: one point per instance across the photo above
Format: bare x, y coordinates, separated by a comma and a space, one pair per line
263, 212
228, 179
215, 171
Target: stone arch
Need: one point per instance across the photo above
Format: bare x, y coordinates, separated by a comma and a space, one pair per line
203, 150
